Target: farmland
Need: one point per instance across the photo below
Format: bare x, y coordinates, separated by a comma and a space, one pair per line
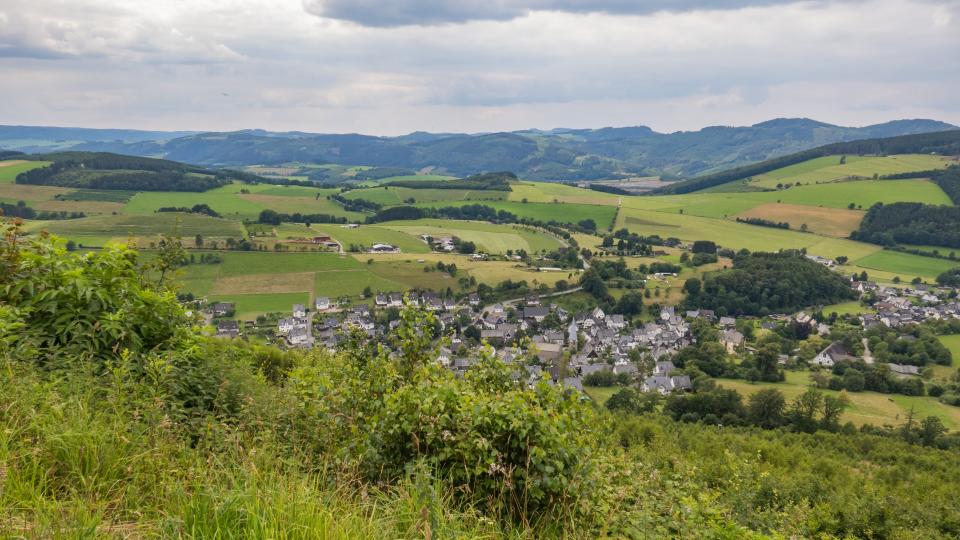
10, 168
823, 207
829, 168
488, 237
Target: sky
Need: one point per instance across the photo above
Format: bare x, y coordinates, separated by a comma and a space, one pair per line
389, 67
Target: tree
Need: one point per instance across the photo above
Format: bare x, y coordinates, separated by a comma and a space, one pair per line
931, 428
71, 245
805, 409
629, 305
853, 380
765, 408
692, 286
631, 401
198, 241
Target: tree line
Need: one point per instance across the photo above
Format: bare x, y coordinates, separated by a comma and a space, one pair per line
910, 223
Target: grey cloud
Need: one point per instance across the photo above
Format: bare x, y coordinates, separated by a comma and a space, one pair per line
393, 13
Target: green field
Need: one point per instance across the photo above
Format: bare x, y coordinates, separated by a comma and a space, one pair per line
364, 235
847, 308
239, 263
488, 237
952, 342
9, 169
559, 212
122, 226
905, 265
827, 169
249, 306
389, 195
865, 407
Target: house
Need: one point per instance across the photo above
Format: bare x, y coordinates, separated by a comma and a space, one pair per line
665, 385
663, 368
532, 300
381, 300
903, 370
731, 340
299, 310
228, 329
224, 309
535, 313
834, 353
474, 299
616, 322
298, 336
322, 303
384, 248
728, 322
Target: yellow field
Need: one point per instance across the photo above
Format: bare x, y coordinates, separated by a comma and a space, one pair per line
827, 221
264, 283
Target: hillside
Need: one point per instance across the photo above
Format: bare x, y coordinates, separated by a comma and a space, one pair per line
125, 422
105, 171
559, 154
946, 143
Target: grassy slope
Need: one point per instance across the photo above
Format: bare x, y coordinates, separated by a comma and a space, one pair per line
488, 237
122, 226
828, 168
561, 212
9, 169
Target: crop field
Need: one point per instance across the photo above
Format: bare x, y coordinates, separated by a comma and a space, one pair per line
826, 221
905, 265
409, 271
87, 207
224, 200
827, 169
415, 178
559, 212
865, 407
488, 237
548, 192
10, 168
863, 193
240, 263
122, 226
104, 195
30, 194
296, 191
303, 205
390, 195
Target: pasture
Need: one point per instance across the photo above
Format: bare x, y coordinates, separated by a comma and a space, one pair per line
9, 169
905, 265
862, 193
121, 227
364, 235
488, 237
826, 221
829, 168
548, 192
391, 195
558, 212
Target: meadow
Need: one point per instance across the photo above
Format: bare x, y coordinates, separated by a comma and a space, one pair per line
488, 237
828, 168
250, 306
559, 212
9, 169
906, 265
363, 235
121, 227
392, 195
826, 221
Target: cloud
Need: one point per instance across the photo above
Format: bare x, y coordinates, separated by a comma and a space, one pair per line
379, 13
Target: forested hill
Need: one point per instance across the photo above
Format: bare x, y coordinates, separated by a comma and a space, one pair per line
558, 154
113, 171
941, 142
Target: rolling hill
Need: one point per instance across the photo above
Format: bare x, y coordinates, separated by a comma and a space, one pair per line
557, 155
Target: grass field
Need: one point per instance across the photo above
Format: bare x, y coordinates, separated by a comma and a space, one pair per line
389, 195
123, 226
9, 169
548, 192
249, 306
364, 235
489, 237
847, 308
865, 407
905, 265
826, 221
224, 200
952, 342
559, 212
828, 168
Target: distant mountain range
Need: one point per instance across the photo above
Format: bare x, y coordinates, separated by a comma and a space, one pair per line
556, 154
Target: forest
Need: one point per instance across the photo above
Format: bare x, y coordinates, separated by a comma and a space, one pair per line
497, 181
910, 223
765, 283
116, 172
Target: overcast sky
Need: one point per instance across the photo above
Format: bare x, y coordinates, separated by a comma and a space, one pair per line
390, 67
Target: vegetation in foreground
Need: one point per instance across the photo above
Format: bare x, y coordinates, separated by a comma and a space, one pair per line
121, 420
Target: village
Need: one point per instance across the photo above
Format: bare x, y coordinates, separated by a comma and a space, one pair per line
546, 341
